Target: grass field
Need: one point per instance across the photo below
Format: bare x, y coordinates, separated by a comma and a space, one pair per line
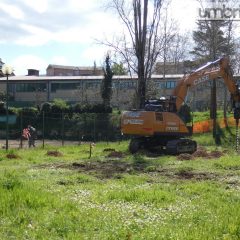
59, 193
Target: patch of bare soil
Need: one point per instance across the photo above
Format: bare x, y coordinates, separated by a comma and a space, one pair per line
12, 156
116, 154
216, 154
185, 156
185, 175
208, 155
54, 153
201, 153
105, 169
201, 148
109, 150
199, 176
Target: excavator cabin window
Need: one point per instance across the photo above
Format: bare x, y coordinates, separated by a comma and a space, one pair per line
161, 105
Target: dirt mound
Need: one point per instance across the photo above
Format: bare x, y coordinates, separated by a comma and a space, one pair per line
12, 156
216, 154
115, 154
201, 153
201, 148
54, 153
205, 154
185, 156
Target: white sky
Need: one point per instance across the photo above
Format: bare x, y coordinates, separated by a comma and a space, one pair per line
35, 33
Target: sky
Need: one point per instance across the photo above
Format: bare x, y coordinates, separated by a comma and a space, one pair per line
36, 33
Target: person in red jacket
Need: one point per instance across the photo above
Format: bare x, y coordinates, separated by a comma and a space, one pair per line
25, 134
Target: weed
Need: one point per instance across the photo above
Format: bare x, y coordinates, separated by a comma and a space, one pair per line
150, 168
10, 181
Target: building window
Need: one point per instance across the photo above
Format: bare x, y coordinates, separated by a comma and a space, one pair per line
170, 84
126, 85
64, 86
92, 84
31, 87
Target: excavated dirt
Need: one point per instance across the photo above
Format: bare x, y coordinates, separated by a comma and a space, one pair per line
115, 168
200, 153
12, 156
116, 154
109, 150
208, 155
185, 175
185, 156
216, 154
54, 153
105, 169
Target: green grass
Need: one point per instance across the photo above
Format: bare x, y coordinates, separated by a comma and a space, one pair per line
203, 116
134, 197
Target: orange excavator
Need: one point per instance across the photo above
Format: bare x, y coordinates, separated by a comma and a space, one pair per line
166, 123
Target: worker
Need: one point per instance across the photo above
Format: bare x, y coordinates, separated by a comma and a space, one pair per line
32, 136
25, 134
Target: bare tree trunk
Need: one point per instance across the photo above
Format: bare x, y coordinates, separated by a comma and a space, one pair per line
214, 107
225, 107
140, 39
141, 51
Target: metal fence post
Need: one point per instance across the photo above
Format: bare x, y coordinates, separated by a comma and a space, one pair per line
43, 129
62, 129
21, 129
94, 128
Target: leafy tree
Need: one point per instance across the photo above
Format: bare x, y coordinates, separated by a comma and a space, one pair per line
60, 103
106, 88
211, 40
118, 69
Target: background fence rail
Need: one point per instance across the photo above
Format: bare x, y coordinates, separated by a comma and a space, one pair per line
64, 129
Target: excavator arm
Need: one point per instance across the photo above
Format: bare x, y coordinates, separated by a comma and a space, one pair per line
210, 71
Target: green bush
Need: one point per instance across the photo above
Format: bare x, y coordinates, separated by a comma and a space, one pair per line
46, 107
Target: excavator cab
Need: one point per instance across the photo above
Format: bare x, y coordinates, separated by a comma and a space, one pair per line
163, 104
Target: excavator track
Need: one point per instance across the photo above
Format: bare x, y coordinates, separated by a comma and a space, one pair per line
179, 146
176, 146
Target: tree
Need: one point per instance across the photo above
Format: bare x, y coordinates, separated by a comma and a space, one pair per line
178, 50
169, 31
106, 88
211, 41
118, 69
140, 47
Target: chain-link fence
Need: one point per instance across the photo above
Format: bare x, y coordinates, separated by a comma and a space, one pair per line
61, 129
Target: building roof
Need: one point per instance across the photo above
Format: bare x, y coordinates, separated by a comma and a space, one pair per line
44, 78
73, 67
72, 78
